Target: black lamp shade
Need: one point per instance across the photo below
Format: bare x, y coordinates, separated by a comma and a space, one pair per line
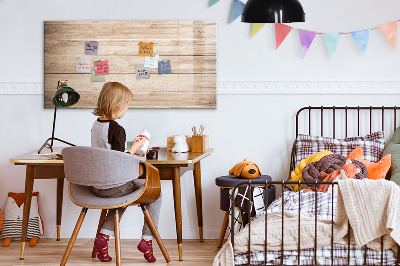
65, 96
273, 11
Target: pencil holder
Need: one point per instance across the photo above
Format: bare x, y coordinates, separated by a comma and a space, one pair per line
200, 143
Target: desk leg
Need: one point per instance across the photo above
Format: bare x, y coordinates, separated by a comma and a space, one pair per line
27, 206
199, 204
176, 182
60, 190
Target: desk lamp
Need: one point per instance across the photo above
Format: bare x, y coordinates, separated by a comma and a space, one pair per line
273, 11
65, 96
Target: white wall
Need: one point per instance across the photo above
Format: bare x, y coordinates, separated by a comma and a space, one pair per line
258, 127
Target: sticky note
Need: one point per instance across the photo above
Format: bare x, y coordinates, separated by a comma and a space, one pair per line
142, 72
91, 48
83, 65
95, 78
151, 61
145, 48
164, 67
101, 67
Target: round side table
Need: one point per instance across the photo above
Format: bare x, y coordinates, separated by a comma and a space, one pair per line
228, 182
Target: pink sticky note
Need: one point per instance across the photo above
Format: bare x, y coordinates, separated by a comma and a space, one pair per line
102, 68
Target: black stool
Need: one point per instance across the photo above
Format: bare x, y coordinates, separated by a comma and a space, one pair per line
226, 183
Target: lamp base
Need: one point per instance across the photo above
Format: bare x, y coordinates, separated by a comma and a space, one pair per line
50, 146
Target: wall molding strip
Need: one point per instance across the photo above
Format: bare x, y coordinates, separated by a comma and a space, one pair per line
260, 87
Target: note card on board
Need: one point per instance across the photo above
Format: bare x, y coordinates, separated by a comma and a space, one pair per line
83, 65
164, 67
142, 72
151, 61
100, 78
101, 67
145, 48
91, 48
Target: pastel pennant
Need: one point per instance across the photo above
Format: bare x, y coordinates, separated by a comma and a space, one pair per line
256, 27
237, 9
389, 30
306, 39
332, 41
213, 2
361, 37
281, 31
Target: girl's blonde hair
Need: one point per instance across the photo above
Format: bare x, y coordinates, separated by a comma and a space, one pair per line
113, 97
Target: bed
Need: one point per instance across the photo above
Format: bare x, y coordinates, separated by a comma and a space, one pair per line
306, 227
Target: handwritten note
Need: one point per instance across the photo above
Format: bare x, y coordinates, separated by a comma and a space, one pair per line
145, 48
151, 62
101, 67
83, 65
164, 67
95, 78
142, 72
91, 48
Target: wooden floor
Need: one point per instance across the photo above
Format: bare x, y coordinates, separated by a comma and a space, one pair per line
50, 252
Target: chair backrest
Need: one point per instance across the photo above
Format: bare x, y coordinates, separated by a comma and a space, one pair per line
92, 166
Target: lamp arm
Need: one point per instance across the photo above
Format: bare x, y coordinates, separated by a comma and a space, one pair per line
54, 125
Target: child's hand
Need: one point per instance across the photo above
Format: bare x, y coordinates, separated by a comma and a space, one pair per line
137, 144
142, 155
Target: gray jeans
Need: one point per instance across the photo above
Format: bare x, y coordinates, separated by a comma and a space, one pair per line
154, 208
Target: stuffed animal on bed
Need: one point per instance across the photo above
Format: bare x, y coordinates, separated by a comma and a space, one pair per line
245, 169
13, 215
348, 170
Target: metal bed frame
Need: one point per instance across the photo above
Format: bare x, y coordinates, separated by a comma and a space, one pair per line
283, 184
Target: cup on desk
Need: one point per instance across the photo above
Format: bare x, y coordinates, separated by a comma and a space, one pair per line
152, 155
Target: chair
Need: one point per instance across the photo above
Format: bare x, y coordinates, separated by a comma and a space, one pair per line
85, 167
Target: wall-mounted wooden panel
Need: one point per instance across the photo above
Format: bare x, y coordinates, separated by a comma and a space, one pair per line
189, 45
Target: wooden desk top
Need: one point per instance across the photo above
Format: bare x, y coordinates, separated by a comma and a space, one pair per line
164, 157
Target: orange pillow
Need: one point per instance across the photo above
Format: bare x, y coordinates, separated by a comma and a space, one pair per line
375, 170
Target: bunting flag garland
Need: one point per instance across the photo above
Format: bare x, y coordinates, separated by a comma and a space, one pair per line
389, 30
332, 41
306, 39
213, 2
237, 9
361, 38
256, 27
281, 31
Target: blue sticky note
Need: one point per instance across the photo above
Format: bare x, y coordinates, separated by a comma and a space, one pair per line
164, 67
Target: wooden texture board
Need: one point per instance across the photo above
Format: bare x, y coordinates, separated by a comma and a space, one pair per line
189, 45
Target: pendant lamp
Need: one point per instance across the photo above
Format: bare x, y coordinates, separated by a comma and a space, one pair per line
273, 11
65, 96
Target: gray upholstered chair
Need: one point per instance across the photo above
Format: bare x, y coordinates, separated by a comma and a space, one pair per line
85, 167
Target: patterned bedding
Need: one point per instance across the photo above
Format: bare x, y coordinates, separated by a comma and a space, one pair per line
306, 202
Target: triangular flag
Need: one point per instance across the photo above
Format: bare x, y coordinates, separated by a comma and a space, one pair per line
237, 9
361, 37
390, 32
255, 28
281, 31
306, 39
213, 2
332, 41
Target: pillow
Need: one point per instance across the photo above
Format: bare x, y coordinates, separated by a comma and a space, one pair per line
372, 144
393, 148
375, 170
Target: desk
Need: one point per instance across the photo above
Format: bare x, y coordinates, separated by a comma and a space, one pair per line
170, 165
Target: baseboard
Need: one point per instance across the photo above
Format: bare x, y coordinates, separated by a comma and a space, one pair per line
259, 87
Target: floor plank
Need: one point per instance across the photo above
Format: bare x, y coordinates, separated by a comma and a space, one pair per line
50, 252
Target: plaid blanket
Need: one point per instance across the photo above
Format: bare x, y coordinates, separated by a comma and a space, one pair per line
322, 204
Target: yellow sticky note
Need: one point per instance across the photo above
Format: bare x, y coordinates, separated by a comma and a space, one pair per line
145, 48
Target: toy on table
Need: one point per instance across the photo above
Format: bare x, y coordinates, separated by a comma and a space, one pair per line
180, 144
13, 215
144, 134
245, 169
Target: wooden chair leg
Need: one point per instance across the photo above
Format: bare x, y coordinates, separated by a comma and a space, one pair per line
117, 238
154, 230
101, 222
73, 237
223, 229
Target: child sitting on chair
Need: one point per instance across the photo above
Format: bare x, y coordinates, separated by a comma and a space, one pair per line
106, 133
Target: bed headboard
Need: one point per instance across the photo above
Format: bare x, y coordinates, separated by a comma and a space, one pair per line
344, 121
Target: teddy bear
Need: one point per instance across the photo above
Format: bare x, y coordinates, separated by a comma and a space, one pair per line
245, 169
13, 215
180, 144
